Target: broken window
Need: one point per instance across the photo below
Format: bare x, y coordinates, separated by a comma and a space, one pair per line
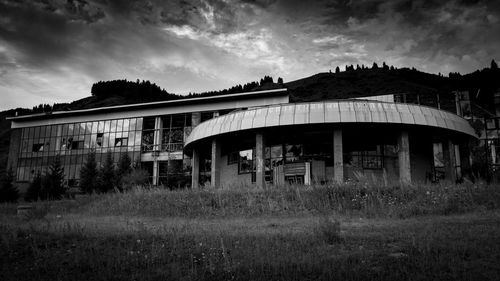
121, 142
246, 161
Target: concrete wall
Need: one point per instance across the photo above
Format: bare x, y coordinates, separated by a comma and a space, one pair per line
421, 158
229, 176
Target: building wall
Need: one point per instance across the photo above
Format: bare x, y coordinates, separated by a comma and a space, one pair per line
14, 148
421, 157
229, 176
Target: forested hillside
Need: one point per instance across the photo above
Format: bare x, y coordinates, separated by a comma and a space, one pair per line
353, 82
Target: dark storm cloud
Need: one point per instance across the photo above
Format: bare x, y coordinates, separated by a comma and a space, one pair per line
55, 47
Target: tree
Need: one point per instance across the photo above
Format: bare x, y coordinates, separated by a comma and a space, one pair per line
280, 80
33, 192
89, 174
8, 192
54, 180
337, 69
107, 175
374, 66
384, 66
124, 168
494, 64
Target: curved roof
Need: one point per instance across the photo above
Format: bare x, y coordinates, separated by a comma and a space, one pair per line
345, 111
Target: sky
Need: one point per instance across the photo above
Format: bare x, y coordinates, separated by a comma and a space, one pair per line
52, 51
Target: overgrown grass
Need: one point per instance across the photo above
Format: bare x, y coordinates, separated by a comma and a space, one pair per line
351, 199
349, 232
429, 249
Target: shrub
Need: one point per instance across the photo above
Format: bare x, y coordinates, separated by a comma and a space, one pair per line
124, 168
33, 192
136, 177
53, 181
8, 192
107, 174
89, 174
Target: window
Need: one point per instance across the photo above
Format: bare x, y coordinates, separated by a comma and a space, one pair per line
233, 157
439, 172
246, 161
121, 142
99, 139
77, 145
371, 158
293, 152
37, 147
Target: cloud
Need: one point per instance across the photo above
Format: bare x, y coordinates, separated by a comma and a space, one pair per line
55, 49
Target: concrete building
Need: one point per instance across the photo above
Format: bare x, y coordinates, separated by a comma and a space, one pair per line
255, 138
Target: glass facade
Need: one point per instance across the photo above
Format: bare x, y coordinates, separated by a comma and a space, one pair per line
73, 141
146, 140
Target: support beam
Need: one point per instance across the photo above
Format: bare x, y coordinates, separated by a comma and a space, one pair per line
215, 168
404, 158
155, 172
338, 157
156, 149
451, 161
458, 162
195, 169
260, 160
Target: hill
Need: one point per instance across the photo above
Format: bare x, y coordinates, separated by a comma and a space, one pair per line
482, 84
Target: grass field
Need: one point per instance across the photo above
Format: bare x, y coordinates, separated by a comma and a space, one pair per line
351, 232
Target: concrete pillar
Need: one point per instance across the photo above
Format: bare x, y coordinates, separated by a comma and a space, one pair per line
450, 161
155, 172
404, 158
215, 168
338, 157
195, 119
158, 133
260, 164
458, 163
156, 149
195, 169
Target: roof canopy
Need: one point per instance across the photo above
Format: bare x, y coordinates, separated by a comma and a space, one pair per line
345, 111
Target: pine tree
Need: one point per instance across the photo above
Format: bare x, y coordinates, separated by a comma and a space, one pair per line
337, 69
280, 80
124, 168
54, 180
33, 192
374, 66
494, 64
8, 192
89, 174
107, 174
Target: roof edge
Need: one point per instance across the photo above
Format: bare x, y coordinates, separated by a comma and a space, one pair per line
156, 103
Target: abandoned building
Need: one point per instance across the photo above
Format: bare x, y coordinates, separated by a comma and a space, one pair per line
255, 138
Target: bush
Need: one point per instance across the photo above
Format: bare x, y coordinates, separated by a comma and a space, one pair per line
107, 174
8, 192
136, 177
53, 181
34, 190
89, 174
